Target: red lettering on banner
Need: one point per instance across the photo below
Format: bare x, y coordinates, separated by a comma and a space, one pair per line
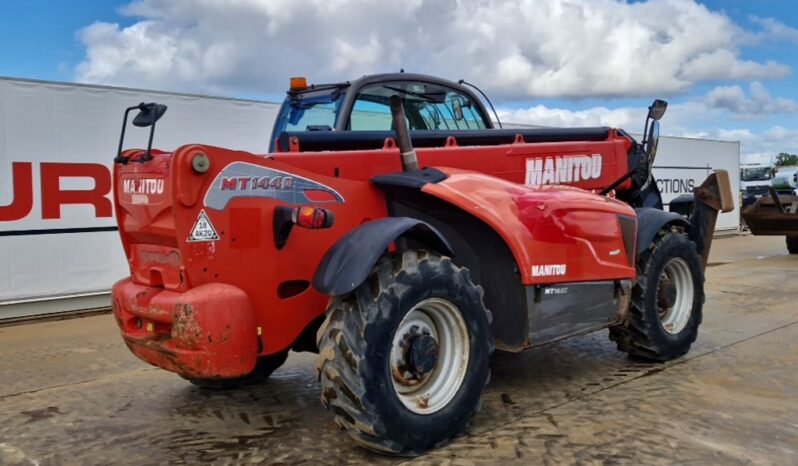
22, 200
53, 197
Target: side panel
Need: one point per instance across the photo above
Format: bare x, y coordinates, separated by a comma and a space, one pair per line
557, 234
567, 309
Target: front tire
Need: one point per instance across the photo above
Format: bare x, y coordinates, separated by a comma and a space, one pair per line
403, 358
667, 300
792, 244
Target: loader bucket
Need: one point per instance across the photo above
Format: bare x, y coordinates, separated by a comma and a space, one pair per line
773, 215
713, 196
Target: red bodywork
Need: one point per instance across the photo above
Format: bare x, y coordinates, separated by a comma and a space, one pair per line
208, 309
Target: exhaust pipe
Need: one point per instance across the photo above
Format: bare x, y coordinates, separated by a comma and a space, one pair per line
409, 158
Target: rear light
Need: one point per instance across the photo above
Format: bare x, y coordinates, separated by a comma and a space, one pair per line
313, 218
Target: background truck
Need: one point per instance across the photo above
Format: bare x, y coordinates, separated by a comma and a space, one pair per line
403, 257
785, 180
754, 181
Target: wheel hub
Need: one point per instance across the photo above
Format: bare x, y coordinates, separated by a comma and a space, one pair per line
422, 355
666, 297
418, 357
429, 355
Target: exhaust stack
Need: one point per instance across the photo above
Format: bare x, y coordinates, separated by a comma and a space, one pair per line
409, 158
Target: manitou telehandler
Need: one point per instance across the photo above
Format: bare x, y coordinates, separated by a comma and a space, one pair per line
394, 231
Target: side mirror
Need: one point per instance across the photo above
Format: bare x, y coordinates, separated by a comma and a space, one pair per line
657, 109
148, 114
652, 141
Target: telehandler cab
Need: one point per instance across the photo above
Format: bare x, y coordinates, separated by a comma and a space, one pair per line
403, 256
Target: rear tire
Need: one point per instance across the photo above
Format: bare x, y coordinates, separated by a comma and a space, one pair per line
263, 369
792, 244
403, 358
667, 300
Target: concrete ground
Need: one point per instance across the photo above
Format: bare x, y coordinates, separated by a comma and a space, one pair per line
70, 393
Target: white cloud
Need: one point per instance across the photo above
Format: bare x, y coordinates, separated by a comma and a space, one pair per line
757, 105
774, 30
540, 115
514, 48
724, 64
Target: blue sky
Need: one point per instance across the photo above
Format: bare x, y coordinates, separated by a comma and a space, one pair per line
727, 67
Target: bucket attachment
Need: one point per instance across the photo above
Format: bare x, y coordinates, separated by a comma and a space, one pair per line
713, 196
773, 215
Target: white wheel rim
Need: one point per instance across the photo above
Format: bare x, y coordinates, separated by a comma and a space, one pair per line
441, 320
674, 318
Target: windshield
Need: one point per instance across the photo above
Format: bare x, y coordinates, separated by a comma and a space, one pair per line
427, 107
755, 174
308, 113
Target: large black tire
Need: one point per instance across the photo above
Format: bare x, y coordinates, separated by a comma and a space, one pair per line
644, 335
355, 344
263, 369
792, 244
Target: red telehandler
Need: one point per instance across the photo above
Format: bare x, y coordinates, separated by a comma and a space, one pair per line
394, 231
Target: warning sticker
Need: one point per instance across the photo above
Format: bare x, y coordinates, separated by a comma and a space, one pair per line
203, 229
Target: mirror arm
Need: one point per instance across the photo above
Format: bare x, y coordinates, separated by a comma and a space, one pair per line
148, 155
119, 158
645, 133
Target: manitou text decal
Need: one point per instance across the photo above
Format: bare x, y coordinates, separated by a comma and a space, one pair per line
142, 186
241, 179
562, 169
548, 270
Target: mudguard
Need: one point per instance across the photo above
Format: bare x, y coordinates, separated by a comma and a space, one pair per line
348, 262
682, 204
650, 221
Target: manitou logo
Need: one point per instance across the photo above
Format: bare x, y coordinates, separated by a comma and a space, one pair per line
143, 186
562, 169
548, 270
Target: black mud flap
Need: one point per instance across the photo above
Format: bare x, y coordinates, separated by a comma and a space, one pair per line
650, 221
348, 262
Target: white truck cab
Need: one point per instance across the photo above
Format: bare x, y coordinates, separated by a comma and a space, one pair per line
755, 178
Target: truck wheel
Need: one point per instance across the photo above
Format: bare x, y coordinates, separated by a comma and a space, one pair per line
667, 299
263, 369
403, 358
792, 244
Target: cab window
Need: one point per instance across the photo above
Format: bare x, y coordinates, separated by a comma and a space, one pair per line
308, 113
427, 107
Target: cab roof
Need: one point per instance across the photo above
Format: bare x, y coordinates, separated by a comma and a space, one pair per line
378, 78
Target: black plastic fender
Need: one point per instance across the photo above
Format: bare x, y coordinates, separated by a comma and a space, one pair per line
682, 204
650, 221
348, 262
